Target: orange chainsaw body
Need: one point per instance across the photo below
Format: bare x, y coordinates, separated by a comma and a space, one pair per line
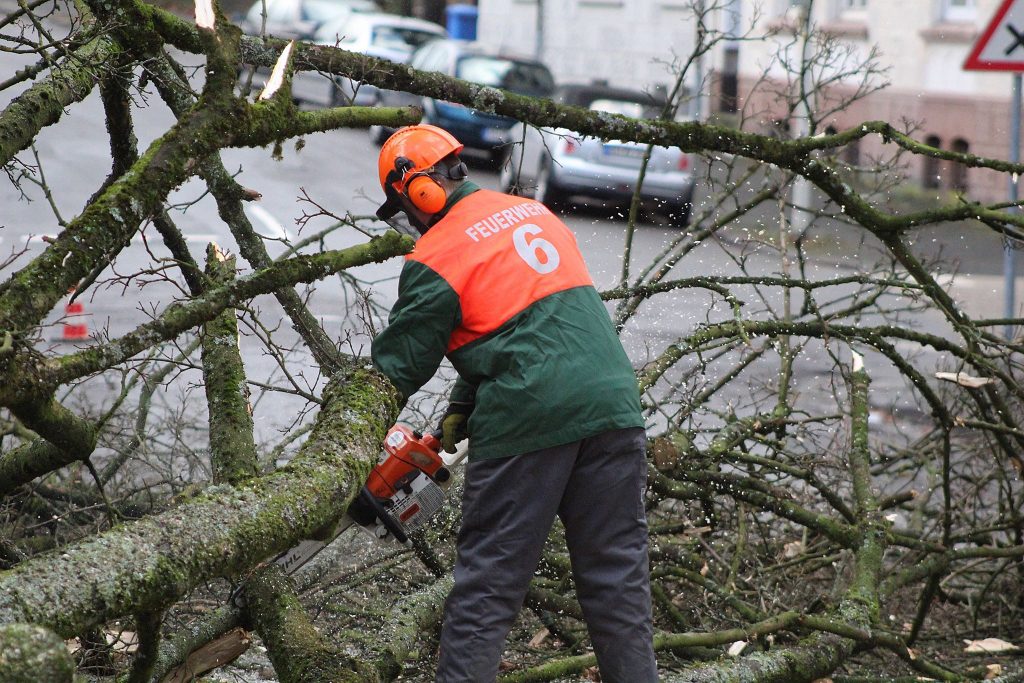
407, 453
400, 496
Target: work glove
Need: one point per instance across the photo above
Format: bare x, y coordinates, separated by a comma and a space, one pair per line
455, 425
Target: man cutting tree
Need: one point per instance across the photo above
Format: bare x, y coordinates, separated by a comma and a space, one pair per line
546, 394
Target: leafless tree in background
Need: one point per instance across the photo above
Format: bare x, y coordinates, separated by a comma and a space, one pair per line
807, 519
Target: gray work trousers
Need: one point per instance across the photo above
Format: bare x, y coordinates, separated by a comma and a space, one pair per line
596, 487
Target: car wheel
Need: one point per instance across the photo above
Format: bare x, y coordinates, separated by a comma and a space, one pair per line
548, 192
337, 97
678, 213
498, 155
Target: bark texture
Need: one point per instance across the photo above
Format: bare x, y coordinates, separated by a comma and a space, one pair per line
298, 651
224, 531
32, 654
227, 394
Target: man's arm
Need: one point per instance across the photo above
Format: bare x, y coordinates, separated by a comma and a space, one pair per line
410, 349
463, 392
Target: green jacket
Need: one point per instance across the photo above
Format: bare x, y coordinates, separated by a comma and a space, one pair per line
499, 286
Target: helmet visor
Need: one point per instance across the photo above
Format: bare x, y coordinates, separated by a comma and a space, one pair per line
390, 207
403, 227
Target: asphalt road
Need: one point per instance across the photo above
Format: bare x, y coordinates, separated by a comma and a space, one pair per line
338, 171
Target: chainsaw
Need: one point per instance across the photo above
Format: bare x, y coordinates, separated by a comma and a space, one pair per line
405, 489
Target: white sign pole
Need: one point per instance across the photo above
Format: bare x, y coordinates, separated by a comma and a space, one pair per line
1001, 48
1009, 252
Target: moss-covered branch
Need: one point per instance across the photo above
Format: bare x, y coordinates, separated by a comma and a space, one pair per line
815, 657
66, 438
174, 651
297, 650
26, 462
798, 156
868, 564
225, 531
233, 450
33, 654
412, 623
30, 379
44, 103
147, 627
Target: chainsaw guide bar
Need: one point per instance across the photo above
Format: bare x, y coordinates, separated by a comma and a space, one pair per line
407, 487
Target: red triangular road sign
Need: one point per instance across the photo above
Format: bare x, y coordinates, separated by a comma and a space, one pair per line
1001, 46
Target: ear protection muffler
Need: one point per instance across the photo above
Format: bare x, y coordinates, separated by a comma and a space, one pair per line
425, 193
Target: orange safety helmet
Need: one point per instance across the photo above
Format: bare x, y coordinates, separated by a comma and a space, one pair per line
403, 163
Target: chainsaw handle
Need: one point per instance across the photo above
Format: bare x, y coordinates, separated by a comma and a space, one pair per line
382, 514
442, 474
432, 440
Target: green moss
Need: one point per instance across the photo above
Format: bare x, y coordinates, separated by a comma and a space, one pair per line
297, 650
44, 103
227, 393
33, 654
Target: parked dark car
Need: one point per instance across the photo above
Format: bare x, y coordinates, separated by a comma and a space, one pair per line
478, 64
556, 164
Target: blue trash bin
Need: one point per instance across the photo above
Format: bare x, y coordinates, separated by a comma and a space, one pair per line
461, 20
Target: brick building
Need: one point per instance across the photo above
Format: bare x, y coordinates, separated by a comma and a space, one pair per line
921, 43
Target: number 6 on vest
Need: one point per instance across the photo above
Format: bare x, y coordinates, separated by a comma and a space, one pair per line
530, 250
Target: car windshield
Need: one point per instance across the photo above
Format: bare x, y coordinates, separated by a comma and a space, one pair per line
522, 77
400, 38
636, 110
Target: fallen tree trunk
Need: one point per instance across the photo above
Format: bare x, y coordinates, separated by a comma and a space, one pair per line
224, 531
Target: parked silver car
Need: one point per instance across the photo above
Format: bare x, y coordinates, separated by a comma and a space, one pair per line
297, 18
387, 36
554, 165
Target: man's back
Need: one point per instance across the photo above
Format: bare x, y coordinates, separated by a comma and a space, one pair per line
530, 332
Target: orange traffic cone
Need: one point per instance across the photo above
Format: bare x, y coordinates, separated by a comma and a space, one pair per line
75, 327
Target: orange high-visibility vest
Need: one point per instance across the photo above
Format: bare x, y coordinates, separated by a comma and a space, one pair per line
500, 254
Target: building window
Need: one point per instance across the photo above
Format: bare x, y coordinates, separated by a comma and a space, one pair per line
931, 174
957, 171
851, 154
853, 10
728, 95
959, 10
